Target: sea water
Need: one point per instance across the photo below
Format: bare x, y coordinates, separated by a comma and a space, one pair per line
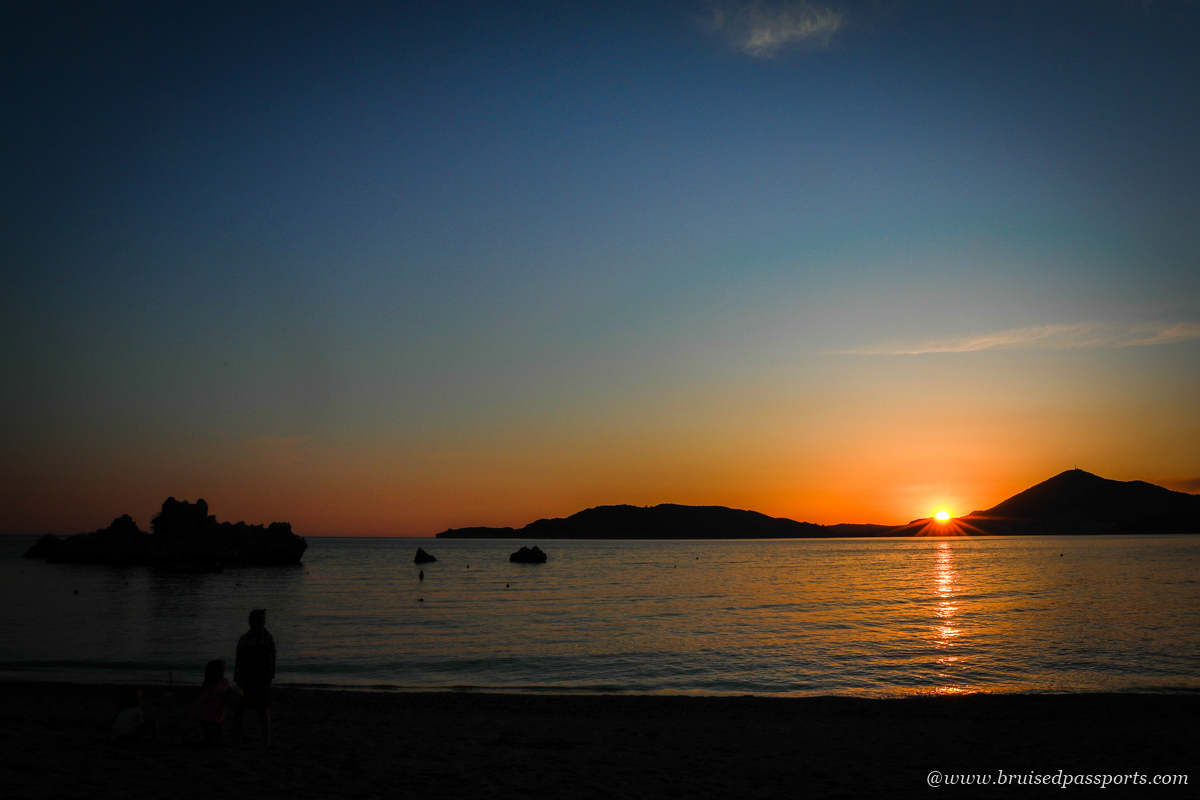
781, 617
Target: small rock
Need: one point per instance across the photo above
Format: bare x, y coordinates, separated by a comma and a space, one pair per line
528, 555
422, 557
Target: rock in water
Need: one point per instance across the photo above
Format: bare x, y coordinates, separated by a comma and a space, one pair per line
423, 557
528, 555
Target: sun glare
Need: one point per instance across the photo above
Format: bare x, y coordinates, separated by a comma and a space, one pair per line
942, 516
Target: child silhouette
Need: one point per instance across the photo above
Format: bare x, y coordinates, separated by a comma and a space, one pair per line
210, 705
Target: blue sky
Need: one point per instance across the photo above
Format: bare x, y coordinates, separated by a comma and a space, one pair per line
393, 268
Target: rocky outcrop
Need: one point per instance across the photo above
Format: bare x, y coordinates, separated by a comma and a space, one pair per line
422, 557
47, 547
183, 535
122, 542
528, 555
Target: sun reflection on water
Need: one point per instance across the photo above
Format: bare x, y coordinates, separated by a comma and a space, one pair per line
946, 630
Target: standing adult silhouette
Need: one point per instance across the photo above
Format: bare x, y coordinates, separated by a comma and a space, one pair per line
253, 671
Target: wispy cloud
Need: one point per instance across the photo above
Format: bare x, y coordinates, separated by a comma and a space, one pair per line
764, 30
1046, 337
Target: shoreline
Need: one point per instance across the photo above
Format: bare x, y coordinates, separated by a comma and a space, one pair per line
346, 742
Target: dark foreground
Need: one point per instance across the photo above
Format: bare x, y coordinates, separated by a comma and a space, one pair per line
333, 744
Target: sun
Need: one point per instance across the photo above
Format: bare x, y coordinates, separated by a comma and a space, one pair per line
942, 516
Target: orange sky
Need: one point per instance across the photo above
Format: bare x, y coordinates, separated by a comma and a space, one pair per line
889, 439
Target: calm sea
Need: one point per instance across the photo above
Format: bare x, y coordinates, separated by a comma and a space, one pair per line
793, 617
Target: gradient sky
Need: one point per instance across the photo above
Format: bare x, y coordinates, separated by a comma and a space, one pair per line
399, 267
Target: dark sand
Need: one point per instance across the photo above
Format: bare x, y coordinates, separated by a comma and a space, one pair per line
336, 744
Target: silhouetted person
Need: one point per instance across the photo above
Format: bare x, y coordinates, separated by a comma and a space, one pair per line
253, 672
130, 724
210, 705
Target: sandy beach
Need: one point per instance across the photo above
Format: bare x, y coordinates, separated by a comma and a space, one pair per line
352, 744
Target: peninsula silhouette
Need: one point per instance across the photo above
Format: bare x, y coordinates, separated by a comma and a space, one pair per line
1079, 502
1073, 502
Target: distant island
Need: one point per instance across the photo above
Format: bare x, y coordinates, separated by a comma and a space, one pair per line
667, 521
1073, 502
184, 535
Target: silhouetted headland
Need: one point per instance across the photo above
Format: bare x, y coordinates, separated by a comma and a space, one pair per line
183, 535
1074, 502
1078, 502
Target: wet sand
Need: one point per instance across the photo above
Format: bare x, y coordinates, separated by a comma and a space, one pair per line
343, 744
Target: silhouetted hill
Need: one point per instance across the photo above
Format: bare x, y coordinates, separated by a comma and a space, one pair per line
667, 521
184, 535
1080, 502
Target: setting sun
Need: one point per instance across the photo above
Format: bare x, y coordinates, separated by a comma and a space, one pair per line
942, 516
